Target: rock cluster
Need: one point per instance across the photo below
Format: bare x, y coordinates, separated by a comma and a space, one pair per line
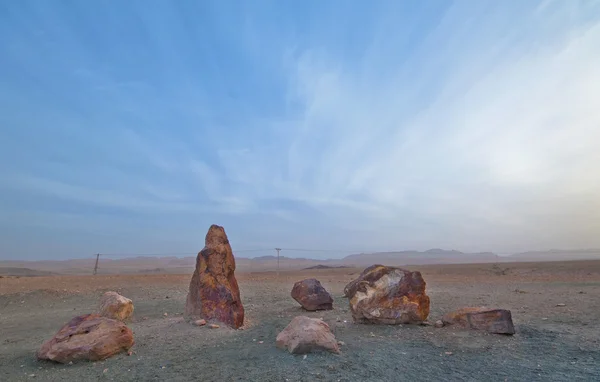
214, 293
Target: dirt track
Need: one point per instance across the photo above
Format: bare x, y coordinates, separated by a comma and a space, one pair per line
552, 343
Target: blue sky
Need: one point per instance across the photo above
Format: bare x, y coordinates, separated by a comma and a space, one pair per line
130, 127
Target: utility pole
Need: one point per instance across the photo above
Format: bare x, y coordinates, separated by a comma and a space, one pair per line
96, 266
278, 249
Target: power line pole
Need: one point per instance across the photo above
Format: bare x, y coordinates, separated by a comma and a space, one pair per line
96, 266
278, 249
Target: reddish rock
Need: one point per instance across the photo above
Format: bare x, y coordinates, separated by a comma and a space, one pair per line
87, 337
311, 295
113, 305
388, 295
305, 335
214, 293
481, 318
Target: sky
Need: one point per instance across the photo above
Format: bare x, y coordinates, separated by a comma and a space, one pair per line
132, 126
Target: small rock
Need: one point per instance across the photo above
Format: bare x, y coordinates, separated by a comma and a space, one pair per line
113, 305
71, 362
214, 326
261, 342
105, 370
129, 353
311, 295
561, 305
448, 353
305, 335
200, 322
481, 318
544, 318
87, 337
304, 356
341, 343
439, 324
372, 334
165, 314
338, 319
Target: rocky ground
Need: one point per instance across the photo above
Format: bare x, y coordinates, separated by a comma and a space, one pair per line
552, 343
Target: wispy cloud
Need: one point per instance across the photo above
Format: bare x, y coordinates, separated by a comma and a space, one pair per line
471, 125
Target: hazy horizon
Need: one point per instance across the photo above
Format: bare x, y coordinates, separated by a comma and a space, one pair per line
292, 254
132, 127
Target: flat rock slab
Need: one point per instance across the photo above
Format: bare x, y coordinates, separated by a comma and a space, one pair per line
312, 295
214, 293
304, 335
388, 295
115, 306
88, 337
481, 318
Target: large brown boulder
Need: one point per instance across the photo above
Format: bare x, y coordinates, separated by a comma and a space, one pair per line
113, 305
87, 337
311, 295
305, 335
481, 318
388, 295
214, 293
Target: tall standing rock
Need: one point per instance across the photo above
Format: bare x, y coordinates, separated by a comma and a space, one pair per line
388, 295
214, 293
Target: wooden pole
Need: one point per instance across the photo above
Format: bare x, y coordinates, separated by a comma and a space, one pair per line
278, 249
96, 266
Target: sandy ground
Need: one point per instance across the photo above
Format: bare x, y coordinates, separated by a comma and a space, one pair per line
552, 343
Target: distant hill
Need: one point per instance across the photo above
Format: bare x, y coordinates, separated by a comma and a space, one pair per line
186, 265
431, 256
321, 266
556, 255
23, 272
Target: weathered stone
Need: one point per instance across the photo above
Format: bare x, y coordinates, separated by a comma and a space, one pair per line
200, 322
439, 324
388, 295
305, 335
113, 305
481, 318
87, 337
214, 293
311, 295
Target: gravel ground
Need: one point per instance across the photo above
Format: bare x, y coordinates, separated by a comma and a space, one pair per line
552, 343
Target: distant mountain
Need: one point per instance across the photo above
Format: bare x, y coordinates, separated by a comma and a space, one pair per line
23, 272
431, 256
185, 265
556, 255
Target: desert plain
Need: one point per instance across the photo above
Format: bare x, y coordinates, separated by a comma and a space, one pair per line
555, 308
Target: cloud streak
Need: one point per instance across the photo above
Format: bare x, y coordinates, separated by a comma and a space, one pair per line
445, 124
